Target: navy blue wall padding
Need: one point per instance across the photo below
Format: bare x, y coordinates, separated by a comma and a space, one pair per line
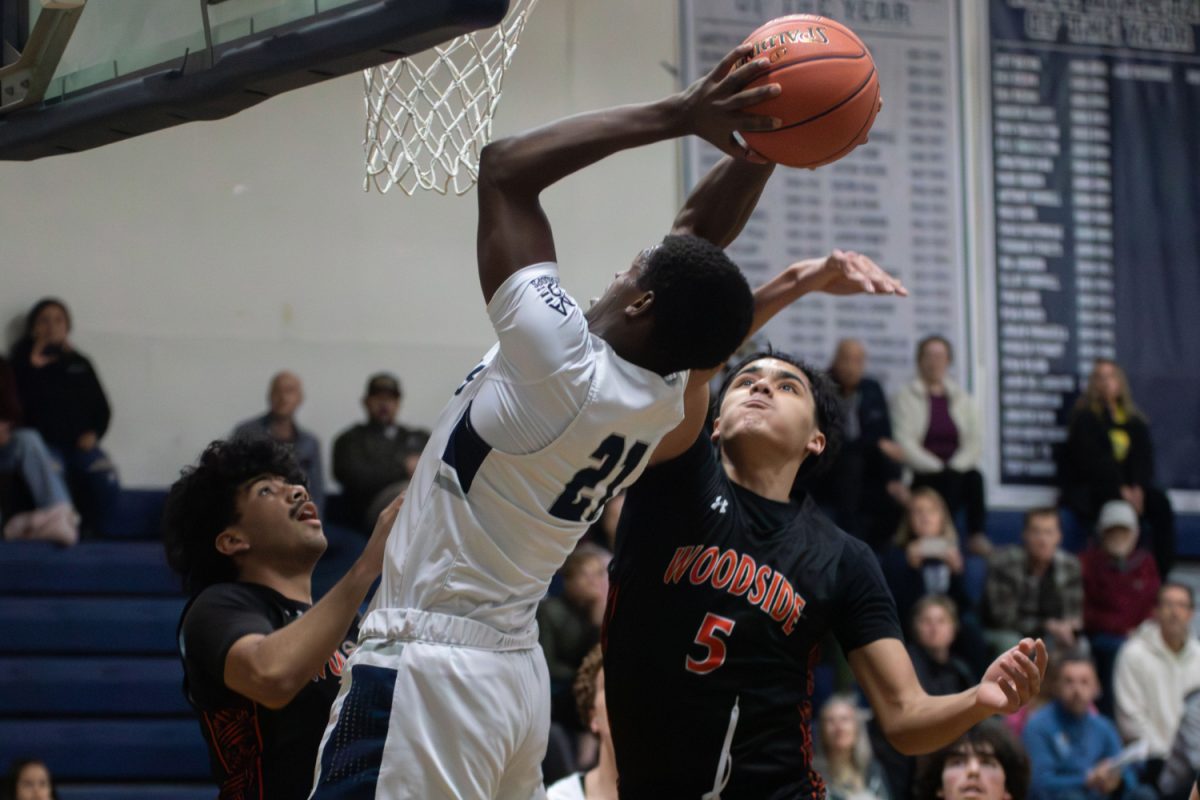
96, 750
84, 625
137, 515
91, 567
79, 686
133, 791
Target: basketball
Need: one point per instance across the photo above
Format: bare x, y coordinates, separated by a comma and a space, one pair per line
830, 90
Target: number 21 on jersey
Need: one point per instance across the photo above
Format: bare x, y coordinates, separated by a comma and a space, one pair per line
711, 637
576, 500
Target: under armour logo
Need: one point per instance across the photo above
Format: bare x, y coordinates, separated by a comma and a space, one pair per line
720, 504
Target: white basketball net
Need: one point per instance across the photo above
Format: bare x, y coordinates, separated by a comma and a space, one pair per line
429, 115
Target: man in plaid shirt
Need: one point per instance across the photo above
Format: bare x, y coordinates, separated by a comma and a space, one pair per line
1035, 588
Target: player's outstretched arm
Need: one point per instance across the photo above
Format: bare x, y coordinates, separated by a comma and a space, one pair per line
513, 230
272, 669
842, 272
915, 722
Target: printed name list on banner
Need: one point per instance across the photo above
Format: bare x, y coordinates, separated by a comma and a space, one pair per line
1095, 119
897, 199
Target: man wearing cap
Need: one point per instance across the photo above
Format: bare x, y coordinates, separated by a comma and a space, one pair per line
1120, 585
371, 458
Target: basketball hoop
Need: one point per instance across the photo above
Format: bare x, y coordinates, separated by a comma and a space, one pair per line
430, 115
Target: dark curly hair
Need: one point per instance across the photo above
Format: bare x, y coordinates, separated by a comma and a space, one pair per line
702, 303
989, 738
203, 502
825, 401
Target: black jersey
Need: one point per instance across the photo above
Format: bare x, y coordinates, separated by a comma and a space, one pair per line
255, 752
718, 602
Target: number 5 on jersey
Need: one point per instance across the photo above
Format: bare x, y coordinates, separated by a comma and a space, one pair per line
710, 638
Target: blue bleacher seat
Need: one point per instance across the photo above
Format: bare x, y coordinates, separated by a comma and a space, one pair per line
88, 686
81, 625
92, 567
137, 515
98, 750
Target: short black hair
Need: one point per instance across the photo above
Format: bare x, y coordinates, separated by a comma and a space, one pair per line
928, 340
203, 502
702, 303
825, 401
990, 737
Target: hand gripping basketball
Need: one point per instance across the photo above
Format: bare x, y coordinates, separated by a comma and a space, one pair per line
830, 90
713, 107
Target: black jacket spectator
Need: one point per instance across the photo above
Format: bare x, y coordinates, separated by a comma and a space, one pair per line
1091, 474
1108, 455
62, 400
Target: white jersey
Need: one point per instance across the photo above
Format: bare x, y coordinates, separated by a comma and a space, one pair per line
542, 433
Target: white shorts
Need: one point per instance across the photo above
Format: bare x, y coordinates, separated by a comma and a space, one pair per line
434, 706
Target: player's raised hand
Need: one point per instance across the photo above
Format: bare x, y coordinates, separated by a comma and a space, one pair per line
1014, 678
845, 272
714, 106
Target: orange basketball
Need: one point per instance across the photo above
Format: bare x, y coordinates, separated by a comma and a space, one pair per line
830, 90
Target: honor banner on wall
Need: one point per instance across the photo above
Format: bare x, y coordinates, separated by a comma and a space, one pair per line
1095, 109
897, 199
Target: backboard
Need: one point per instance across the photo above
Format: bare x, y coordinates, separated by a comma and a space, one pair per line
78, 74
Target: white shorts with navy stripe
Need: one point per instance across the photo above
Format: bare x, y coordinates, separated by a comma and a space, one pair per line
433, 706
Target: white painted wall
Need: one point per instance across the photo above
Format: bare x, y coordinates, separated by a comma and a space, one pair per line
199, 260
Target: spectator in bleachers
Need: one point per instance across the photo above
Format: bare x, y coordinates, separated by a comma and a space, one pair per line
936, 425
261, 661
28, 469
1183, 762
372, 458
569, 626
1034, 589
986, 763
1071, 747
62, 400
925, 557
599, 782
29, 779
842, 754
1120, 585
934, 628
1108, 455
284, 398
862, 488
1158, 666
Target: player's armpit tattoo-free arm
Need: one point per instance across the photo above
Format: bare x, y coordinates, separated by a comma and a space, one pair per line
915, 722
513, 229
